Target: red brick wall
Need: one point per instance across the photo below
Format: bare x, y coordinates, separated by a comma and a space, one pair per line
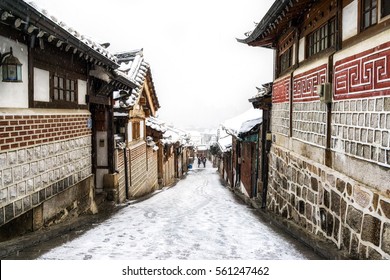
17, 131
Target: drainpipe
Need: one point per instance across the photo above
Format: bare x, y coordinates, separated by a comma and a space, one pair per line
265, 147
126, 172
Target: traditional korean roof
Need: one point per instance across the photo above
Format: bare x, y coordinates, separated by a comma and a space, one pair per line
263, 98
29, 18
282, 15
225, 143
156, 124
133, 67
234, 126
175, 135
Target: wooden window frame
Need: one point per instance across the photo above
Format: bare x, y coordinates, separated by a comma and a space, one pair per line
63, 89
285, 59
322, 38
376, 9
136, 130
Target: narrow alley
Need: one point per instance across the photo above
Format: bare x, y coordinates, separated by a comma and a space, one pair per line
198, 219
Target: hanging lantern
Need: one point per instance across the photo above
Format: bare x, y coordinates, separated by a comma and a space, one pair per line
11, 66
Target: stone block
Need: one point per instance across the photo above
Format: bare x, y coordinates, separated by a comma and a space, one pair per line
335, 203
385, 206
326, 198
340, 185
329, 224
386, 238
354, 247
386, 104
346, 238
371, 229
354, 219
362, 197
9, 212
2, 216
336, 230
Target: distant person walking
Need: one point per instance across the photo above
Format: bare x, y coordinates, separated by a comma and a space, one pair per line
199, 161
204, 161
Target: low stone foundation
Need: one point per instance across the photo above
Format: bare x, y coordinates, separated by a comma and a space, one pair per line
329, 204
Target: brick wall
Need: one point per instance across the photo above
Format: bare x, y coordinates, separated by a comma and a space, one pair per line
42, 154
138, 170
152, 171
18, 131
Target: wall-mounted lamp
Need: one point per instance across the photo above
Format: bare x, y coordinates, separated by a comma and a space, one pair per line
12, 68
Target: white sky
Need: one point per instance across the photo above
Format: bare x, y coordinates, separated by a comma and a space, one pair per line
202, 75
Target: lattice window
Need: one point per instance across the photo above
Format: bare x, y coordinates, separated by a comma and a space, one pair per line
322, 38
64, 88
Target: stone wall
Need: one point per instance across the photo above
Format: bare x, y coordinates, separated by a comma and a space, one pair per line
42, 154
309, 122
327, 203
361, 128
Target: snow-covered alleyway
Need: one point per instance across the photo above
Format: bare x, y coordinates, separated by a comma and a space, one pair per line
198, 219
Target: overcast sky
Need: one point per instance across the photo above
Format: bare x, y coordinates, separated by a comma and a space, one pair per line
202, 75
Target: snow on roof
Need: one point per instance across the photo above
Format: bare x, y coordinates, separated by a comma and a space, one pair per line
156, 124
225, 143
94, 46
249, 125
233, 125
134, 68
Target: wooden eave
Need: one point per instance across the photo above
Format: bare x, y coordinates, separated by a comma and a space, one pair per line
282, 15
31, 17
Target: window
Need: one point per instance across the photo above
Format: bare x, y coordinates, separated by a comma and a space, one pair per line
371, 10
369, 13
322, 38
286, 59
136, 130
64, 88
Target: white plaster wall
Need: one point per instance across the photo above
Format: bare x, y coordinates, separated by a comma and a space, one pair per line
350, 24
370, 43
310, 66
41, 85
129, 132
101, 144
14, 95
82, 91
301, 50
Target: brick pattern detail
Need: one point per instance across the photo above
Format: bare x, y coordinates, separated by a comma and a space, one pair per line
30, 175
281, 118
364, 75
304, 85
309, 122
329, 204
281, 91
19, 131
361, 128
152, 171
138, 168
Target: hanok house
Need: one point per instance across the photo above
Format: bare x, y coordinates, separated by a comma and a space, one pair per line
330, 156
47, 129
263, 101
177, 150
243, 130
135, 156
